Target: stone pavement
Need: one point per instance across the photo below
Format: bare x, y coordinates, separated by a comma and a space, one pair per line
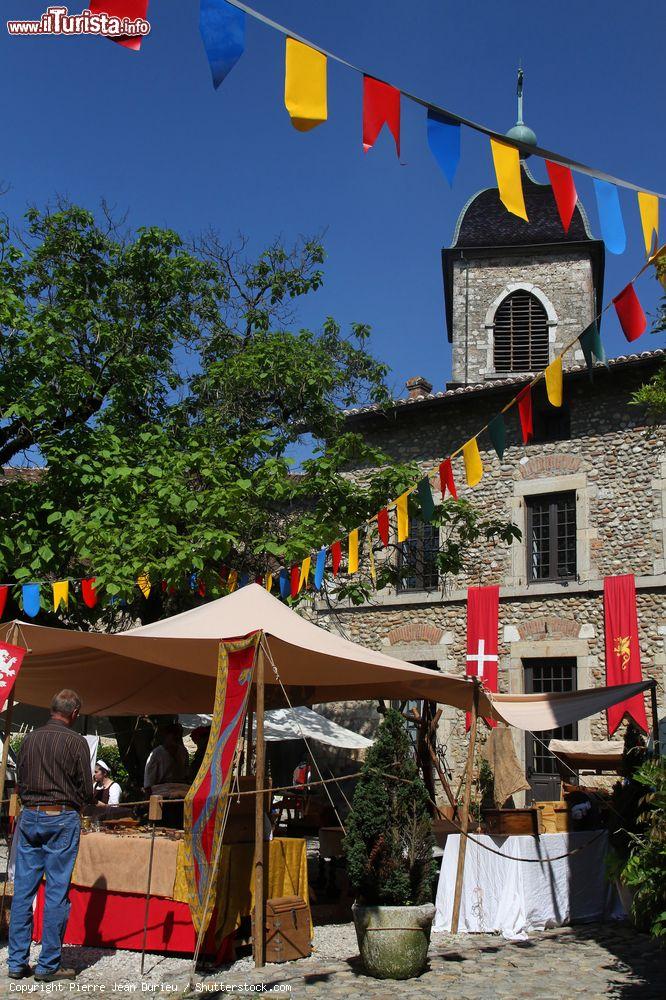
610, 961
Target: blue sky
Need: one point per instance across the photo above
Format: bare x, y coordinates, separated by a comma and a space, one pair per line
89, 119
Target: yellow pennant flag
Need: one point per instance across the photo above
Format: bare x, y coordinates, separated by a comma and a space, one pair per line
473, 463
143, 583
402, 512
373, 571
269, 582
305, 573
305, 85
509, 182
232, 580
648, 206
60, 594
553, 375
352, 565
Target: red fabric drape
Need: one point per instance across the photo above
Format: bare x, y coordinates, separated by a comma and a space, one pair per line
623, 651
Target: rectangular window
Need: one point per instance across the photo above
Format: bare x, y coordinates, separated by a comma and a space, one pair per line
551, 537
417, 557
545, 676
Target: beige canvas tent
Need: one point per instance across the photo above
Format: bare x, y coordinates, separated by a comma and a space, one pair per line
171, 666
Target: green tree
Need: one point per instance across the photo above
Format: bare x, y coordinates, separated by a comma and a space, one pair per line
653, 394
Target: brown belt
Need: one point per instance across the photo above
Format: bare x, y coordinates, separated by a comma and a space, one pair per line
53, 810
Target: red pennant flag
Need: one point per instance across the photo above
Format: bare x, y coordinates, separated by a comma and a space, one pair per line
383, 525
623, 651
132, 9
4, 591
482, 628
336, 557
381, 105
524, 399
564, 190
630, 313
201, 588
446, 479
259, 580
11, 658
89, 591
295, 580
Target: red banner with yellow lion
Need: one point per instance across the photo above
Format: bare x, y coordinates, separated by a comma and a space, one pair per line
623, 651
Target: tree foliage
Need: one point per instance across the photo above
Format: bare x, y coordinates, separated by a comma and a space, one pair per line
652, 395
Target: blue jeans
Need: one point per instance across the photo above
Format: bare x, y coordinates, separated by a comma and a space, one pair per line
46, 845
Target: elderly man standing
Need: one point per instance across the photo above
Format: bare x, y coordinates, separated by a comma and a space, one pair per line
54, 782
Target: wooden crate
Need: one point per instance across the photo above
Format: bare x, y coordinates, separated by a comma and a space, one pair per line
287, 929
513, 822
554, 816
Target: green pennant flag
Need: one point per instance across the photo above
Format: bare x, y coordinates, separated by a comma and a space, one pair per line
426, 501
497, 431
590, 342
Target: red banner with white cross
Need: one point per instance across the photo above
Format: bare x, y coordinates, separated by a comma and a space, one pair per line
623, 651
482, 626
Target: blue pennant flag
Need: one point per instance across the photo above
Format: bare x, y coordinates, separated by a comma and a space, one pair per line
444, 142
31, 602
193, 581
610, 216
285, 584
319, 568
244, 580
223, 32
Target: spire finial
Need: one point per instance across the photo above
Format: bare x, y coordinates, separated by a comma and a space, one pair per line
519, 91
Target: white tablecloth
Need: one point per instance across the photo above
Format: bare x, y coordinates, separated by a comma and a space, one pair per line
514, 897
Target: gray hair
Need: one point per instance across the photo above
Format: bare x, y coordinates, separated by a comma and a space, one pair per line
66, 702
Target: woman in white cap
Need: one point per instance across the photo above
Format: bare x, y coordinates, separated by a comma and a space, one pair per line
106, 790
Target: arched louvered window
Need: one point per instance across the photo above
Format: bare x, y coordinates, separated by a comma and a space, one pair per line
520, 342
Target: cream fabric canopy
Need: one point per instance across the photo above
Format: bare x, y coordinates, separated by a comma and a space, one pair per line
171, 665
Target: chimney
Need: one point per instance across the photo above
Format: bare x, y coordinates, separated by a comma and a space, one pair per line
418, 387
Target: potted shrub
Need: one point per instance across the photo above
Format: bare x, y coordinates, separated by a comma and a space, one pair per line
388, 848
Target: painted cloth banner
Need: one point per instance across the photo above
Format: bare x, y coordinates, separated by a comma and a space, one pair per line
564, 191
507, 170
444, 142
482, 626
222, 29
206, 801
381, 106
610, 216
132, 9
11, 658
623, 651
305, 85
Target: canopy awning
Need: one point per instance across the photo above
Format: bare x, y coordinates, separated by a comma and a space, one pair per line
170, 666
281, 724
593, 754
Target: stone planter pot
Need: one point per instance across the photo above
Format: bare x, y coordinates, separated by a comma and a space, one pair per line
393, 940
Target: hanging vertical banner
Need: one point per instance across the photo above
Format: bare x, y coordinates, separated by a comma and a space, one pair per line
60, 594
610, 216
553, 375
383, 526
648, 206
285, 584
444, 142
507, 170
482, 631
402, 517
630, 313
11, 658
591, 345
497, 433
320, 566
446, 481
524, 400
222, 29
31, 601
336, 557
473, 463
623, 651
305, 574
352, 561
305, 85
89, 591
426, 501
295, 579
381, 106
4, 591
564, 191
133, 10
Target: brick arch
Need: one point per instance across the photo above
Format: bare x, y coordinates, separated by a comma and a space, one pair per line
549, 627
541, 466
415, 632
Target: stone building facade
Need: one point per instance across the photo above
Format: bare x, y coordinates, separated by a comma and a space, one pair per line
597, 470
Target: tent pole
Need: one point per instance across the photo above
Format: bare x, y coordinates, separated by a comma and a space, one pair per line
464, 815
248, 743
656, 747
258, 942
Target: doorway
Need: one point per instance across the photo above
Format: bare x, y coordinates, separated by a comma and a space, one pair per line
545, 676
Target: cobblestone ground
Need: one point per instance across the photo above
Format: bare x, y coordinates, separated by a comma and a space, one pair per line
590, 961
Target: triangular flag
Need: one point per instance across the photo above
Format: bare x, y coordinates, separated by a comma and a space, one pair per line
352, 562
305, 85
4, 591
630, 313
336, 557
305, 573
134, 10
232, 580
497, 432
269, 582
381, 105
524, 400
509, 181
444, 142
383, 526
295, 579
402, 512
89, 591
426, 501
31, 601
222, 30
285, 584
320, 567
473, 463
610, 216
143, 583
446, 479
648, 206
564, 191
553, 375
60, 594
590, 342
